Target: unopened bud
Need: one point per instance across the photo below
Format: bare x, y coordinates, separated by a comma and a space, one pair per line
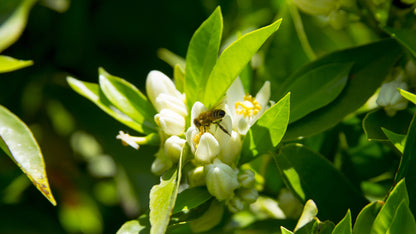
248, 195
246, 179
231, 150
235, 204
389, 97
170, 122
173, 148
196, 177
221, 180
158, 83
207, 149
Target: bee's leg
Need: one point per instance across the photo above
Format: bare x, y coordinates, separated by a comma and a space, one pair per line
223, 129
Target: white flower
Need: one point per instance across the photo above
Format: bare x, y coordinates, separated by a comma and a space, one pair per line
389, 97
231, 150
245, 109
205, 140
173, 148
126, 139
170, 122
221, 180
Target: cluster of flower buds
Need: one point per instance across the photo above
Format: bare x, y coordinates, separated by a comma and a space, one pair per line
214, 137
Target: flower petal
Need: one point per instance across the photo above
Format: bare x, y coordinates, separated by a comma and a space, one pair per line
158, 83
207, 149
166, 101
263, 96
170, 122
197, 109
235, 94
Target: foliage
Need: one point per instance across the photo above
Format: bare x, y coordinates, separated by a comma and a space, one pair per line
325, 143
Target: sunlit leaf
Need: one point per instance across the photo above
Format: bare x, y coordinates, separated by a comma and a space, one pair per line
408, 95
311, 176
131, 227
285, 231
129, 100
179, 78
201, 56
308, 214
385, 217
17, 141
13, 27
267, 132
316, 88
93, 93
403, 220
233, 60
366, 217
344, 226
8, 64
371, 64
398, 140
407, 168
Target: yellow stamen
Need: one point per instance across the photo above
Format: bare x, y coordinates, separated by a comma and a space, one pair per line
248, 110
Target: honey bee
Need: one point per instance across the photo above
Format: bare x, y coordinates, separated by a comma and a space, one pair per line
205, 119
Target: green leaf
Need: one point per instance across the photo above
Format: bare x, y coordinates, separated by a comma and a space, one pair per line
8, 64
317, 88
344, 226
309, 213
371, 64
201, 56
267, 132
131, 227
170, 58
13, 27
408, 95
191, 198
385, 216
285, 231
233, 60
310, 176
17, 141
374, 121
366, 217
403, 220
179, 78
407, 168
93, 93
406, 37
129, 100
398, 140
163, 197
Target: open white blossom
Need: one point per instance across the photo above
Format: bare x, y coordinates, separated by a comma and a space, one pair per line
390, 99
245, 110
206, 143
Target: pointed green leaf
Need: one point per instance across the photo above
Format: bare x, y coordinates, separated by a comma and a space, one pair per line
408, 95
329, 189
398, 140
13, 27
129, 100
366, 217
385, 216
8, 64
372, 63
170, 58
309, 213
317, 88
131, 227
232, 61
163, 197
17, 141
407, 168
201, 56
344, 226
191, 198
93, 93
179, 78
267, 132
285, 231
403, 220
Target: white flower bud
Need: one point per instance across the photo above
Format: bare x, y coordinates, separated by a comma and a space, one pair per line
221, 180
248, 195
316, 7
160, 165
173, 148
208, 148
390, 98
235, 205
209, 219
231, 150
158, 83
246, 179
166, 101
170, 122
196, 177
